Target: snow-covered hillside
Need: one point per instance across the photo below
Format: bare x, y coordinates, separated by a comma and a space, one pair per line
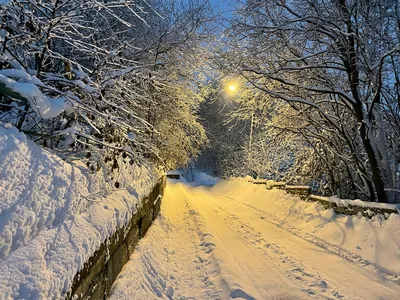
54, 215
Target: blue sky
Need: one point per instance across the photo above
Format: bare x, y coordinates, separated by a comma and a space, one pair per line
219, 3
222, 5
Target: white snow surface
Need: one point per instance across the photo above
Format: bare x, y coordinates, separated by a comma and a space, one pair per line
54, 215
202, 178
237, 240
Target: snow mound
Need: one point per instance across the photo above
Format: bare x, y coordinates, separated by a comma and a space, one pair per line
204, 179
54, 215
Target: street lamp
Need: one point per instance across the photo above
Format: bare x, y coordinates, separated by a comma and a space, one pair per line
231, 86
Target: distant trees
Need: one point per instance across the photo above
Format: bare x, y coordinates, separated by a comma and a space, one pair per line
224, 154
100, 79
335, 66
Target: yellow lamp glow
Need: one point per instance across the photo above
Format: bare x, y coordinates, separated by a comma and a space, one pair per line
232, 88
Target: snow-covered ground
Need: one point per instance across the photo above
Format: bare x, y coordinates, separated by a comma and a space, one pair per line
237, 240
54, 215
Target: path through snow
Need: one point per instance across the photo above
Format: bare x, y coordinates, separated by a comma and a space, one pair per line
206, 245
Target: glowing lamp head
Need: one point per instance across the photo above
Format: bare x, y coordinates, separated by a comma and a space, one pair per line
232, 88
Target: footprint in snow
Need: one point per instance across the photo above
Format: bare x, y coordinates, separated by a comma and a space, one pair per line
321, 284
337, 295
240, 294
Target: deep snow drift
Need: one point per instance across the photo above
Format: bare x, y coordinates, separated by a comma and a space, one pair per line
239, 240
54, 215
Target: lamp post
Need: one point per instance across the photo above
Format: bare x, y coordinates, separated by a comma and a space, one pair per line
251, 132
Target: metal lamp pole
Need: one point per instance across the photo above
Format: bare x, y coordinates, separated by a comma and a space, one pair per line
251, 132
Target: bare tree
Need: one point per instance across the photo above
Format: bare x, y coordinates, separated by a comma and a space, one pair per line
333, 62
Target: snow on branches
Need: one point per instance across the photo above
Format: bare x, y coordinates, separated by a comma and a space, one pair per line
335, 63
84, 77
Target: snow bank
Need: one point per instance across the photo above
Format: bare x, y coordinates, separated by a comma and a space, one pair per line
54, 215
376, 240
202, 178
194, 177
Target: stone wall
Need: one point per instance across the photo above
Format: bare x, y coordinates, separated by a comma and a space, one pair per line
94, 281
346, 207
355, 207
302, 191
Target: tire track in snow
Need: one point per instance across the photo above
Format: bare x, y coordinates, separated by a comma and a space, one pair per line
358, 262
211, 262
198, 239
343, 253
165, 263
241, 277
310, 283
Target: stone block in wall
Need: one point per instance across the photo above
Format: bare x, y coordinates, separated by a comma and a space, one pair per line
323, 200
116, 263
115, 241
276, 185
303, 191
260, 181
157, 206
146, 221
132, 237
174, 176
90, 273
97, 289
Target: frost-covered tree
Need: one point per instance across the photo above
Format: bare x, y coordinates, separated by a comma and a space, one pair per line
56, 67
335, 63
91, 78
176, 44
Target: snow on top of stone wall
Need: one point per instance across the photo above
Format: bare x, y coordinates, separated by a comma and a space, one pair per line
54, 215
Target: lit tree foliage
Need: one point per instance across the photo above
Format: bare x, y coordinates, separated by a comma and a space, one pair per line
89, 79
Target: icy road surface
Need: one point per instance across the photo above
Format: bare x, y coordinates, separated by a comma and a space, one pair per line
205, 245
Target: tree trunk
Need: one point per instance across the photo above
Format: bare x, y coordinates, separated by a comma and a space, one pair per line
377, 176
349, 58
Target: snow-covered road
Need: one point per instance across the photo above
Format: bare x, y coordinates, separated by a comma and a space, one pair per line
208, 245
